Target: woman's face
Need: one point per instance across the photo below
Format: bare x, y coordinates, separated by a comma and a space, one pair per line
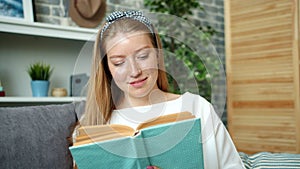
133, 63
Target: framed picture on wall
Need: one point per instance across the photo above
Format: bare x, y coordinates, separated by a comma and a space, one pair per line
17, 9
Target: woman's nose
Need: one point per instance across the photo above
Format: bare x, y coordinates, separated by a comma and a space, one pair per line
135, 69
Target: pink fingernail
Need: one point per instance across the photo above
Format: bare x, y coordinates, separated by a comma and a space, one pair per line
150, 167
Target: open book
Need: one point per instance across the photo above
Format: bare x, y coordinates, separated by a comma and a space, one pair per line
170, 141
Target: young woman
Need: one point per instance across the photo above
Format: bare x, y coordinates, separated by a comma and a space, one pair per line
128, 85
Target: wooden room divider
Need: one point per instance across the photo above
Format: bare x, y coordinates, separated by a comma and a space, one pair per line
262, 66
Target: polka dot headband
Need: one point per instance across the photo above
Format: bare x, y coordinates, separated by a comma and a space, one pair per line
135, 15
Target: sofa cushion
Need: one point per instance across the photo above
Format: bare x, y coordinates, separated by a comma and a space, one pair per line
36, 136
264, 160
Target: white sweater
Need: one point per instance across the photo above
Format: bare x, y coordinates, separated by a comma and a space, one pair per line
219, 151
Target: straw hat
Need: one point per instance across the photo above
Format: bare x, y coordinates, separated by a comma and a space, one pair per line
87, 13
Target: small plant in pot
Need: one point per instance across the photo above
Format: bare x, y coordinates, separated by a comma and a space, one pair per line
40, 74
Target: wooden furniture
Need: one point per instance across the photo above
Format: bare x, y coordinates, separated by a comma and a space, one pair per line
262, 65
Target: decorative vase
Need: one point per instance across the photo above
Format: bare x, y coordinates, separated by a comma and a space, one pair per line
40, 88
59, 92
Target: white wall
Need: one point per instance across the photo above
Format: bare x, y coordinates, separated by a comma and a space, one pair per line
17, 52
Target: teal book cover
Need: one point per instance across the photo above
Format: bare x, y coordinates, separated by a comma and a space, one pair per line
173, 145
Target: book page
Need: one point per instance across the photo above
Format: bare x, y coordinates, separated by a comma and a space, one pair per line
167, 119
154, 145
180, 140
97, 133
89, 134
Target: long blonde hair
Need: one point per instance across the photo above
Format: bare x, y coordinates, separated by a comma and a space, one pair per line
102, 92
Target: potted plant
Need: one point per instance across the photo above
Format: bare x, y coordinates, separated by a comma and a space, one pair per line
182, 52
40, 74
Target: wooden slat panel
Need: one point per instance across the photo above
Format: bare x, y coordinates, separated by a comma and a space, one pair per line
259, 112
264, 10
261, 23
264, 123
277, 137
296, 60
246, 4
258, 128
262, 54
262, 35
263, 98
262, 41
257, 73
275, 66
267, 15
264, 47
255, 32
252, 147
267, 91
264, 104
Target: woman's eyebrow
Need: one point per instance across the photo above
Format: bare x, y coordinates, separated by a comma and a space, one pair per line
142, 48
116, 56
135, 52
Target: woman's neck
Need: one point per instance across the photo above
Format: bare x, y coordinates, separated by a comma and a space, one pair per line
156, 96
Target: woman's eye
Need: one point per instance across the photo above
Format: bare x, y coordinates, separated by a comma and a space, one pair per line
118, 63
143, 56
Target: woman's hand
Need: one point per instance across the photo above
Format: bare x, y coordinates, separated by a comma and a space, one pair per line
152, 167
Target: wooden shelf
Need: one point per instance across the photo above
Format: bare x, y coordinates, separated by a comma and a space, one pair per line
46, 30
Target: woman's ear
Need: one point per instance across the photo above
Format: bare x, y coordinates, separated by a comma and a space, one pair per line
157, 52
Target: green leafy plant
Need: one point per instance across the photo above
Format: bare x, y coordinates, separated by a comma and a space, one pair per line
40, 71
181, 52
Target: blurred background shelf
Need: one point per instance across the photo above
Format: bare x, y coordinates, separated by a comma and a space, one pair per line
29, 101
68, 49
46, 30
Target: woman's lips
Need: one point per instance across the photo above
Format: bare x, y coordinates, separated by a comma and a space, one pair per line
138, 83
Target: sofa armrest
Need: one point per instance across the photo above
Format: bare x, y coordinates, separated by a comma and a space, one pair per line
36, 136
270, 160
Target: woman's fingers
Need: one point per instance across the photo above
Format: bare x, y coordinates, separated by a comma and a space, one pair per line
152, 167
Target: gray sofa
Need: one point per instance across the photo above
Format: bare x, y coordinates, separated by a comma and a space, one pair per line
38, 137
